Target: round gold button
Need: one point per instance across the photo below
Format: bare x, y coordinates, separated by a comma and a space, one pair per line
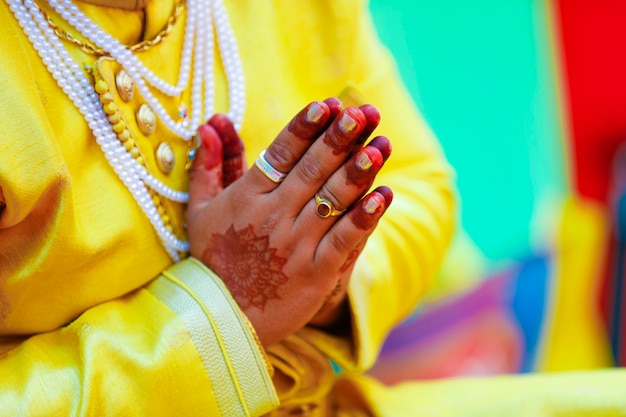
125, 85
146, 120
165, 157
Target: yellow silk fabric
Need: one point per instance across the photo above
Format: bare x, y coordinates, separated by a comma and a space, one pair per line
131, 356
600, 393
79, 335
576, 337
75, 248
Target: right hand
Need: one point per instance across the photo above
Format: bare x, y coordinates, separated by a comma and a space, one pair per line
279, 259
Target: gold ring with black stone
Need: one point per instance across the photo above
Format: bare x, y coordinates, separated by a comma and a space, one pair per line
324, 208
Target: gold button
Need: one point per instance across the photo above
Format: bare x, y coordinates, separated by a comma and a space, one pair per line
165, 157
146, 120
125, 85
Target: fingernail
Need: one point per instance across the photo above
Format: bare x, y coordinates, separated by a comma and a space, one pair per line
363, 161
314, 113
347, 123
374, 203
386, 193
359, 172
371, 209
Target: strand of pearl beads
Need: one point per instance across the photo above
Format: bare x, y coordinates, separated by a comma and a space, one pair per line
78, 88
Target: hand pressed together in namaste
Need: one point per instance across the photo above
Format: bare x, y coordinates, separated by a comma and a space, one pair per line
285, 242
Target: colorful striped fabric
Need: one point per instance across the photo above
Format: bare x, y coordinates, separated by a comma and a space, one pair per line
489, 330
529, 101
592, 50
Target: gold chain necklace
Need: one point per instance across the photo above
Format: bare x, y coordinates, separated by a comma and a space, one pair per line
144, 45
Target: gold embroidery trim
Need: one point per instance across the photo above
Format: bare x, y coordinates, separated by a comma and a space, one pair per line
126, 139
142, 46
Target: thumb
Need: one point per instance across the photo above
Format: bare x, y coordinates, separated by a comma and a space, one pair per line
234, 162
205, 177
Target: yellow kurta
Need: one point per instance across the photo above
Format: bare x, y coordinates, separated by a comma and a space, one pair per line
95, 319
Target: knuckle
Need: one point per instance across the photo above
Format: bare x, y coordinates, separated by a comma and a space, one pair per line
346, 129
271, 222
340, 242
310, 170
328, 194
280, 156
339, 140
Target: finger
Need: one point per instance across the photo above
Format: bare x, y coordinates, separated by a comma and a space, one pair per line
383, 144
234, 165
352, 257
205, 176
332, 312
323, 158
286, 150
346, 234
334, 106
337, 296
372, 117
349, 183
344, 187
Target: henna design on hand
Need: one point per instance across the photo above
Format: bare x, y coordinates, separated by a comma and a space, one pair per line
328, 300
250, 268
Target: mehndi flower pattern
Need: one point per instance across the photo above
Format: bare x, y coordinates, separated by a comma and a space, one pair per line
250, 267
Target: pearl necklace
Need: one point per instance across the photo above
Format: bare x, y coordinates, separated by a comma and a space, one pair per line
79, 90
199, 23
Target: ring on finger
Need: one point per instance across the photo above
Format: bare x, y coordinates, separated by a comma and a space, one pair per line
325, 208
268, 169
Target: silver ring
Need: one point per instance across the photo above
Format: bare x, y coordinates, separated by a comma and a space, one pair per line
324, 208
267, 169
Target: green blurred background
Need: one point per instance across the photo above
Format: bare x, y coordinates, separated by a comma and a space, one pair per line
482, 73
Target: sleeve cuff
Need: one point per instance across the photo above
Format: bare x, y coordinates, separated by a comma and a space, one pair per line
232, 357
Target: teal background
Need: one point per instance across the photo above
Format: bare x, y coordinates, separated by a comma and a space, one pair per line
482, 74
